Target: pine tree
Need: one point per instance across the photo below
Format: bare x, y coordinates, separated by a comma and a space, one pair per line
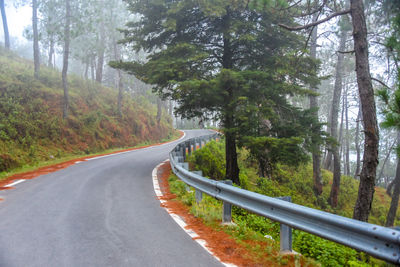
220, 60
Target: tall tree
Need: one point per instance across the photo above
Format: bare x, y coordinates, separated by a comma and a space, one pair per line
371, 131
218, 58
357, 143
316, 148
337, 91
5, 25
392, 109
36, 52
101, 50
66, 57
370, 158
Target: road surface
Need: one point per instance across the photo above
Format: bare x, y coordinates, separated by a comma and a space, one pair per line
101, 212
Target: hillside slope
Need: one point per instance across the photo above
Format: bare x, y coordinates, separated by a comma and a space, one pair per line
31, 124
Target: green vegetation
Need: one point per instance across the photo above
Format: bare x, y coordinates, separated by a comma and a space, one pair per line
32, 129
227, 60
285, 181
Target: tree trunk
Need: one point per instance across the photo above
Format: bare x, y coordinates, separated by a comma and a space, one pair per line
347, 136
51, 53
396, 192
5, 26
357, 142
85, 75
371, 131
100, 60
159, 110
328, 160
65, 57
36, 52
341, 132
117, 57
386, 159
333, 197
92, 67
232, 168
316, 154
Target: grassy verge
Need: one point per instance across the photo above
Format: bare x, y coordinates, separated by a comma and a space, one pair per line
39, 164
296, 182
257, 250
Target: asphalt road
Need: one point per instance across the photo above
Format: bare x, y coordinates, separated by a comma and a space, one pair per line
101, 212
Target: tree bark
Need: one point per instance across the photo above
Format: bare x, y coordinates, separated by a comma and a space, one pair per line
386, 159
232, 168
328, 160
347, 151
51, 53
36, 52
100, 59
86, 73
341, 132
93, 67
357, 138
316, 154
333, 197
370, 158
117, 57
66, 56
5, 25
159, 110
396, 192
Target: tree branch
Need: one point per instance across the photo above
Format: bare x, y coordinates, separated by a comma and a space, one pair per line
298, 28
346, 52
379, 81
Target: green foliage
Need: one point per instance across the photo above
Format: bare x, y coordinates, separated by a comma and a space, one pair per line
224, 60
211, 160
270, 150
326, 252
296, 182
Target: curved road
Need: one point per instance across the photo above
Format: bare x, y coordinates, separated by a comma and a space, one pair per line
101, 212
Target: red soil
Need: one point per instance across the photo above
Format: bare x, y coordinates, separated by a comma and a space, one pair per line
220, 243
59, 166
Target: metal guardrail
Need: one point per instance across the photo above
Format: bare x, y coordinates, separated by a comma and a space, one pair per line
378, 241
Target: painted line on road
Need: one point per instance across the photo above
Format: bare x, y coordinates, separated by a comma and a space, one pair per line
178, 219
146, 148
15, 183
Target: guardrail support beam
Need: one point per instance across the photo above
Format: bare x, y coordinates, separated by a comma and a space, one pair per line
227, 208
285, 234
198, 193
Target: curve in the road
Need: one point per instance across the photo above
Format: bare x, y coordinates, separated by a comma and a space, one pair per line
101, 212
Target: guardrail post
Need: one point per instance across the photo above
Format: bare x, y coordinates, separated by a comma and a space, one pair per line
185, 165
190, 147
198, 193
285, 234
227, 207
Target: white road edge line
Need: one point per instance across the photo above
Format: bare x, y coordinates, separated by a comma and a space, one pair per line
15, 183
178, 219
150, 147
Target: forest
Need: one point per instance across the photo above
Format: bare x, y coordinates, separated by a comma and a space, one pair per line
302, 84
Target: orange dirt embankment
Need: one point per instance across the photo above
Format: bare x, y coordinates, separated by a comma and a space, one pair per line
62, 165
220, 243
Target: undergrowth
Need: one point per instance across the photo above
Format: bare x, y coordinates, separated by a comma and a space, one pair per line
32, 129
287, 181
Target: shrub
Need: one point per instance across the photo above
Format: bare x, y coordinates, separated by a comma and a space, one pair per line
211, 160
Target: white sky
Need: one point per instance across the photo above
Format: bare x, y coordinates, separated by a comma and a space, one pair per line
17, 20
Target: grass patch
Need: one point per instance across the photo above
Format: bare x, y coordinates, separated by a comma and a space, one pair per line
39, 164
